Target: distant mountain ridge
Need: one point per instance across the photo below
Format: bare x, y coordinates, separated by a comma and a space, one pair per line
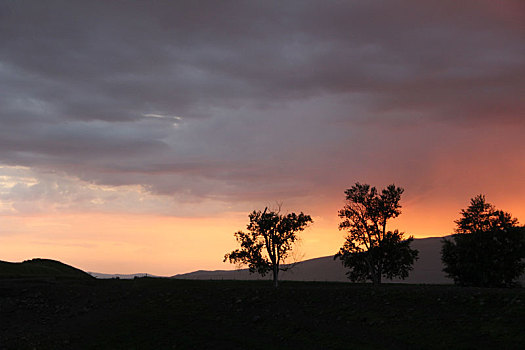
119, 275
427, 269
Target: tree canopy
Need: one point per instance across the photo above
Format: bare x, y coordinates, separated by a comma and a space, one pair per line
370, 251
487, 249
268, 242
481, 216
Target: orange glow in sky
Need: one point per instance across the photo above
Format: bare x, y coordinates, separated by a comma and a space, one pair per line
165, 246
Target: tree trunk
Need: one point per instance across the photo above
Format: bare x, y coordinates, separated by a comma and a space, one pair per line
374, 273
376, 280
376, 277
276, 277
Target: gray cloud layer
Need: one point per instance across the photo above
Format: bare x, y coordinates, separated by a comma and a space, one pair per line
276, 98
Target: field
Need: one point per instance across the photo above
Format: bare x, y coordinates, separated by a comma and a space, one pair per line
148, 313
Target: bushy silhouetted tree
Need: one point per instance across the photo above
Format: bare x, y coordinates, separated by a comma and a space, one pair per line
370, 251
481, 216
488, 248
268, 242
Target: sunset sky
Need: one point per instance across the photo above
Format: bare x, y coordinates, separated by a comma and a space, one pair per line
136, 136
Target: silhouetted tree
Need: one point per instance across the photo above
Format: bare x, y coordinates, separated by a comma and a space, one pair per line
488, 248
370, 251
268, 242
481, 216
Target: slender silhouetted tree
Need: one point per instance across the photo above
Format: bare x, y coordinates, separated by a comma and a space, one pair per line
488, 248
268, 242
370, 251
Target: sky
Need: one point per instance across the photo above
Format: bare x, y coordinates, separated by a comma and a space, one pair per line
136, 136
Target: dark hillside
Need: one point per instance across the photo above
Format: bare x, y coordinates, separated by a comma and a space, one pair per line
43, 268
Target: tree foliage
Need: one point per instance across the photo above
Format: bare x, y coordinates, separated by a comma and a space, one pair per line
481, 216
268, 242
370, 251
488, 248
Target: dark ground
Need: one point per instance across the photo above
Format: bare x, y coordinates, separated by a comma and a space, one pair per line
151, 313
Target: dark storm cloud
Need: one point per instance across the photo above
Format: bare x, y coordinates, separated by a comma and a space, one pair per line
266, 90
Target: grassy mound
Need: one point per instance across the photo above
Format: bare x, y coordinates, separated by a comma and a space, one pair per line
44, 268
